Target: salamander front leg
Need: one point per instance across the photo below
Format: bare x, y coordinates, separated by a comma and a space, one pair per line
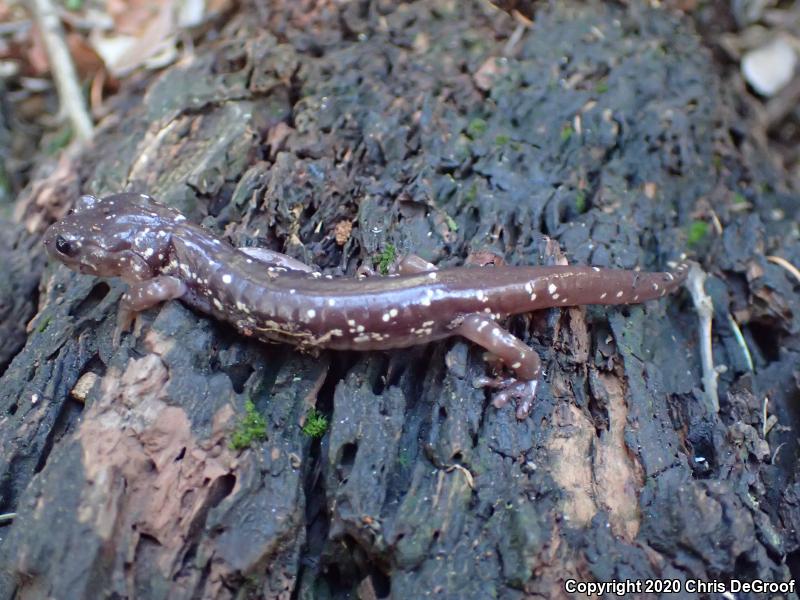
411, 264
521, 359
142, 295
272, 259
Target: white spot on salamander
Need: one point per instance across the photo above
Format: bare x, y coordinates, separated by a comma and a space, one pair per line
619, 294
393, 312
331, 302
603, 296
227, 278
311, 313
552, 289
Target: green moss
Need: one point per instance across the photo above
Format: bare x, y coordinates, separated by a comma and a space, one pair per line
566, 133
5, 185
738, 198
385, 259
602, 87
580, 201
59, 141
451, 223
44, 324
471, 194
250, 428
403, 459
501, 140
698, 231
316, 424
476, 128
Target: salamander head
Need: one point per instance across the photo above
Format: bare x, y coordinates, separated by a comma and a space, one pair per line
125, 235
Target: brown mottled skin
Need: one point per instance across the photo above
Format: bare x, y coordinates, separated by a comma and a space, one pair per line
274, 297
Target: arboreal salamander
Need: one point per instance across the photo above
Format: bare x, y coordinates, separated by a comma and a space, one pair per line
271, 296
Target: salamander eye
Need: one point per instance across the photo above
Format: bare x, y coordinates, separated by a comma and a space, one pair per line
65, 247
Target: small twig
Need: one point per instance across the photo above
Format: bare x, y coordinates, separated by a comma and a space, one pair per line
465, 472
521, 19
775, 454
514, 39
705, 312
782, 104
716, 222
7, 518
782, 262
62, 67
737, 333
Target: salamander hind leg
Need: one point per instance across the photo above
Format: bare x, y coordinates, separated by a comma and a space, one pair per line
143, 295
521, 359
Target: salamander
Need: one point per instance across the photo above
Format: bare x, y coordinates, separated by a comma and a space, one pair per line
268, 295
